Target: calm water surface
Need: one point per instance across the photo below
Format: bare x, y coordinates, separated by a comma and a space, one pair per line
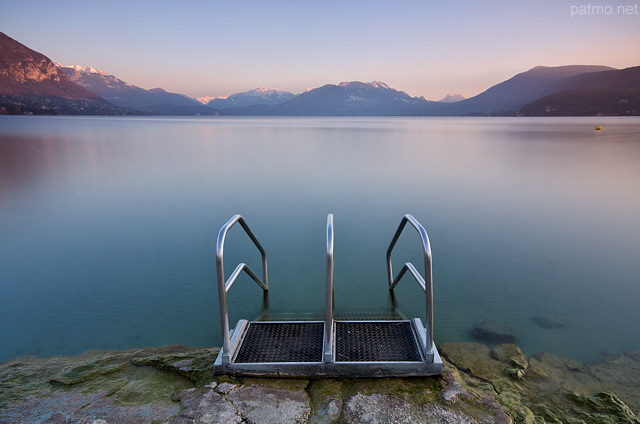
108, 225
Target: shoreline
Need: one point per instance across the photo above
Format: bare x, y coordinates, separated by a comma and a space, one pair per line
175, 384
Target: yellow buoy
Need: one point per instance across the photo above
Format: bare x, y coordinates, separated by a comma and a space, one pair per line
597, 128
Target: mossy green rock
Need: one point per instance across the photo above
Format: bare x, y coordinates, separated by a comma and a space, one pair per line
196, 365
175, 385
93, 386
108, 364
548, 388
604, 408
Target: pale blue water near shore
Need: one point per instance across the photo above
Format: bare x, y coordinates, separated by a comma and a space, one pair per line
108, 225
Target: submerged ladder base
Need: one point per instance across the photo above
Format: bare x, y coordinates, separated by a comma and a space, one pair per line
360, 349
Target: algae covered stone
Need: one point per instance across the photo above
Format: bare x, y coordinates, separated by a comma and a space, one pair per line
194, 364
97, 385
546, 387
603, 408
172, 385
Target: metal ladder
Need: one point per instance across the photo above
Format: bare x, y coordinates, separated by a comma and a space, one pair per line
329, 348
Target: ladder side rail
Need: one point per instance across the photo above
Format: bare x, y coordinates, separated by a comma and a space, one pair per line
413, 271
225, 285
425, 282
234, 276
328, 316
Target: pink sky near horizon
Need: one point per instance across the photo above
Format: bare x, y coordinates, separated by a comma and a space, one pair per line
217, 48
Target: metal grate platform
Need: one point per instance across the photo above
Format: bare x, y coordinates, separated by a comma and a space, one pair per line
282, 342
357, 349
376, 341
319, 344
338, 316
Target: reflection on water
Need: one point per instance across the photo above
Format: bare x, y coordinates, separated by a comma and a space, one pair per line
108, 225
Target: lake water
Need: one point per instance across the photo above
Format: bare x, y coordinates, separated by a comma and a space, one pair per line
108, 225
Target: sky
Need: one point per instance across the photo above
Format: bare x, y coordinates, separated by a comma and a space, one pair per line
425, 48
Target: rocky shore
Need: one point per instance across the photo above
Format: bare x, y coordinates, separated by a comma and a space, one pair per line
175, 384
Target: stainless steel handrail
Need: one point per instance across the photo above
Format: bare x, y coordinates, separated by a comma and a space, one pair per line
328, 315
425, 282
224, 286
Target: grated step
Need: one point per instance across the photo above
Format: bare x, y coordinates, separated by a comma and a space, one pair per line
338, 316
391, 341
282, 342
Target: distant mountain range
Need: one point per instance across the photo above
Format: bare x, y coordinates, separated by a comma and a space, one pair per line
542, 91
614, 92
258, 96
347, 98
510, 96
31, 83
123, 94
452, 98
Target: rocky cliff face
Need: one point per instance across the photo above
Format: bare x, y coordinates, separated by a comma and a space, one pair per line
175, 384
29, 68
25, 72
30, 83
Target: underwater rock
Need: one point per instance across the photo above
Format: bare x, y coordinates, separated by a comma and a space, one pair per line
549, 387
514, 357
547, 323
472, 358
511, 353
493, 332
604, 408
620, 373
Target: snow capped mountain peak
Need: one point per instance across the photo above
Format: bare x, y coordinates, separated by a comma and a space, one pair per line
263, 92
82, 69
379, 84
257, 96
452, 97
206, 99
374, 84
266, 90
